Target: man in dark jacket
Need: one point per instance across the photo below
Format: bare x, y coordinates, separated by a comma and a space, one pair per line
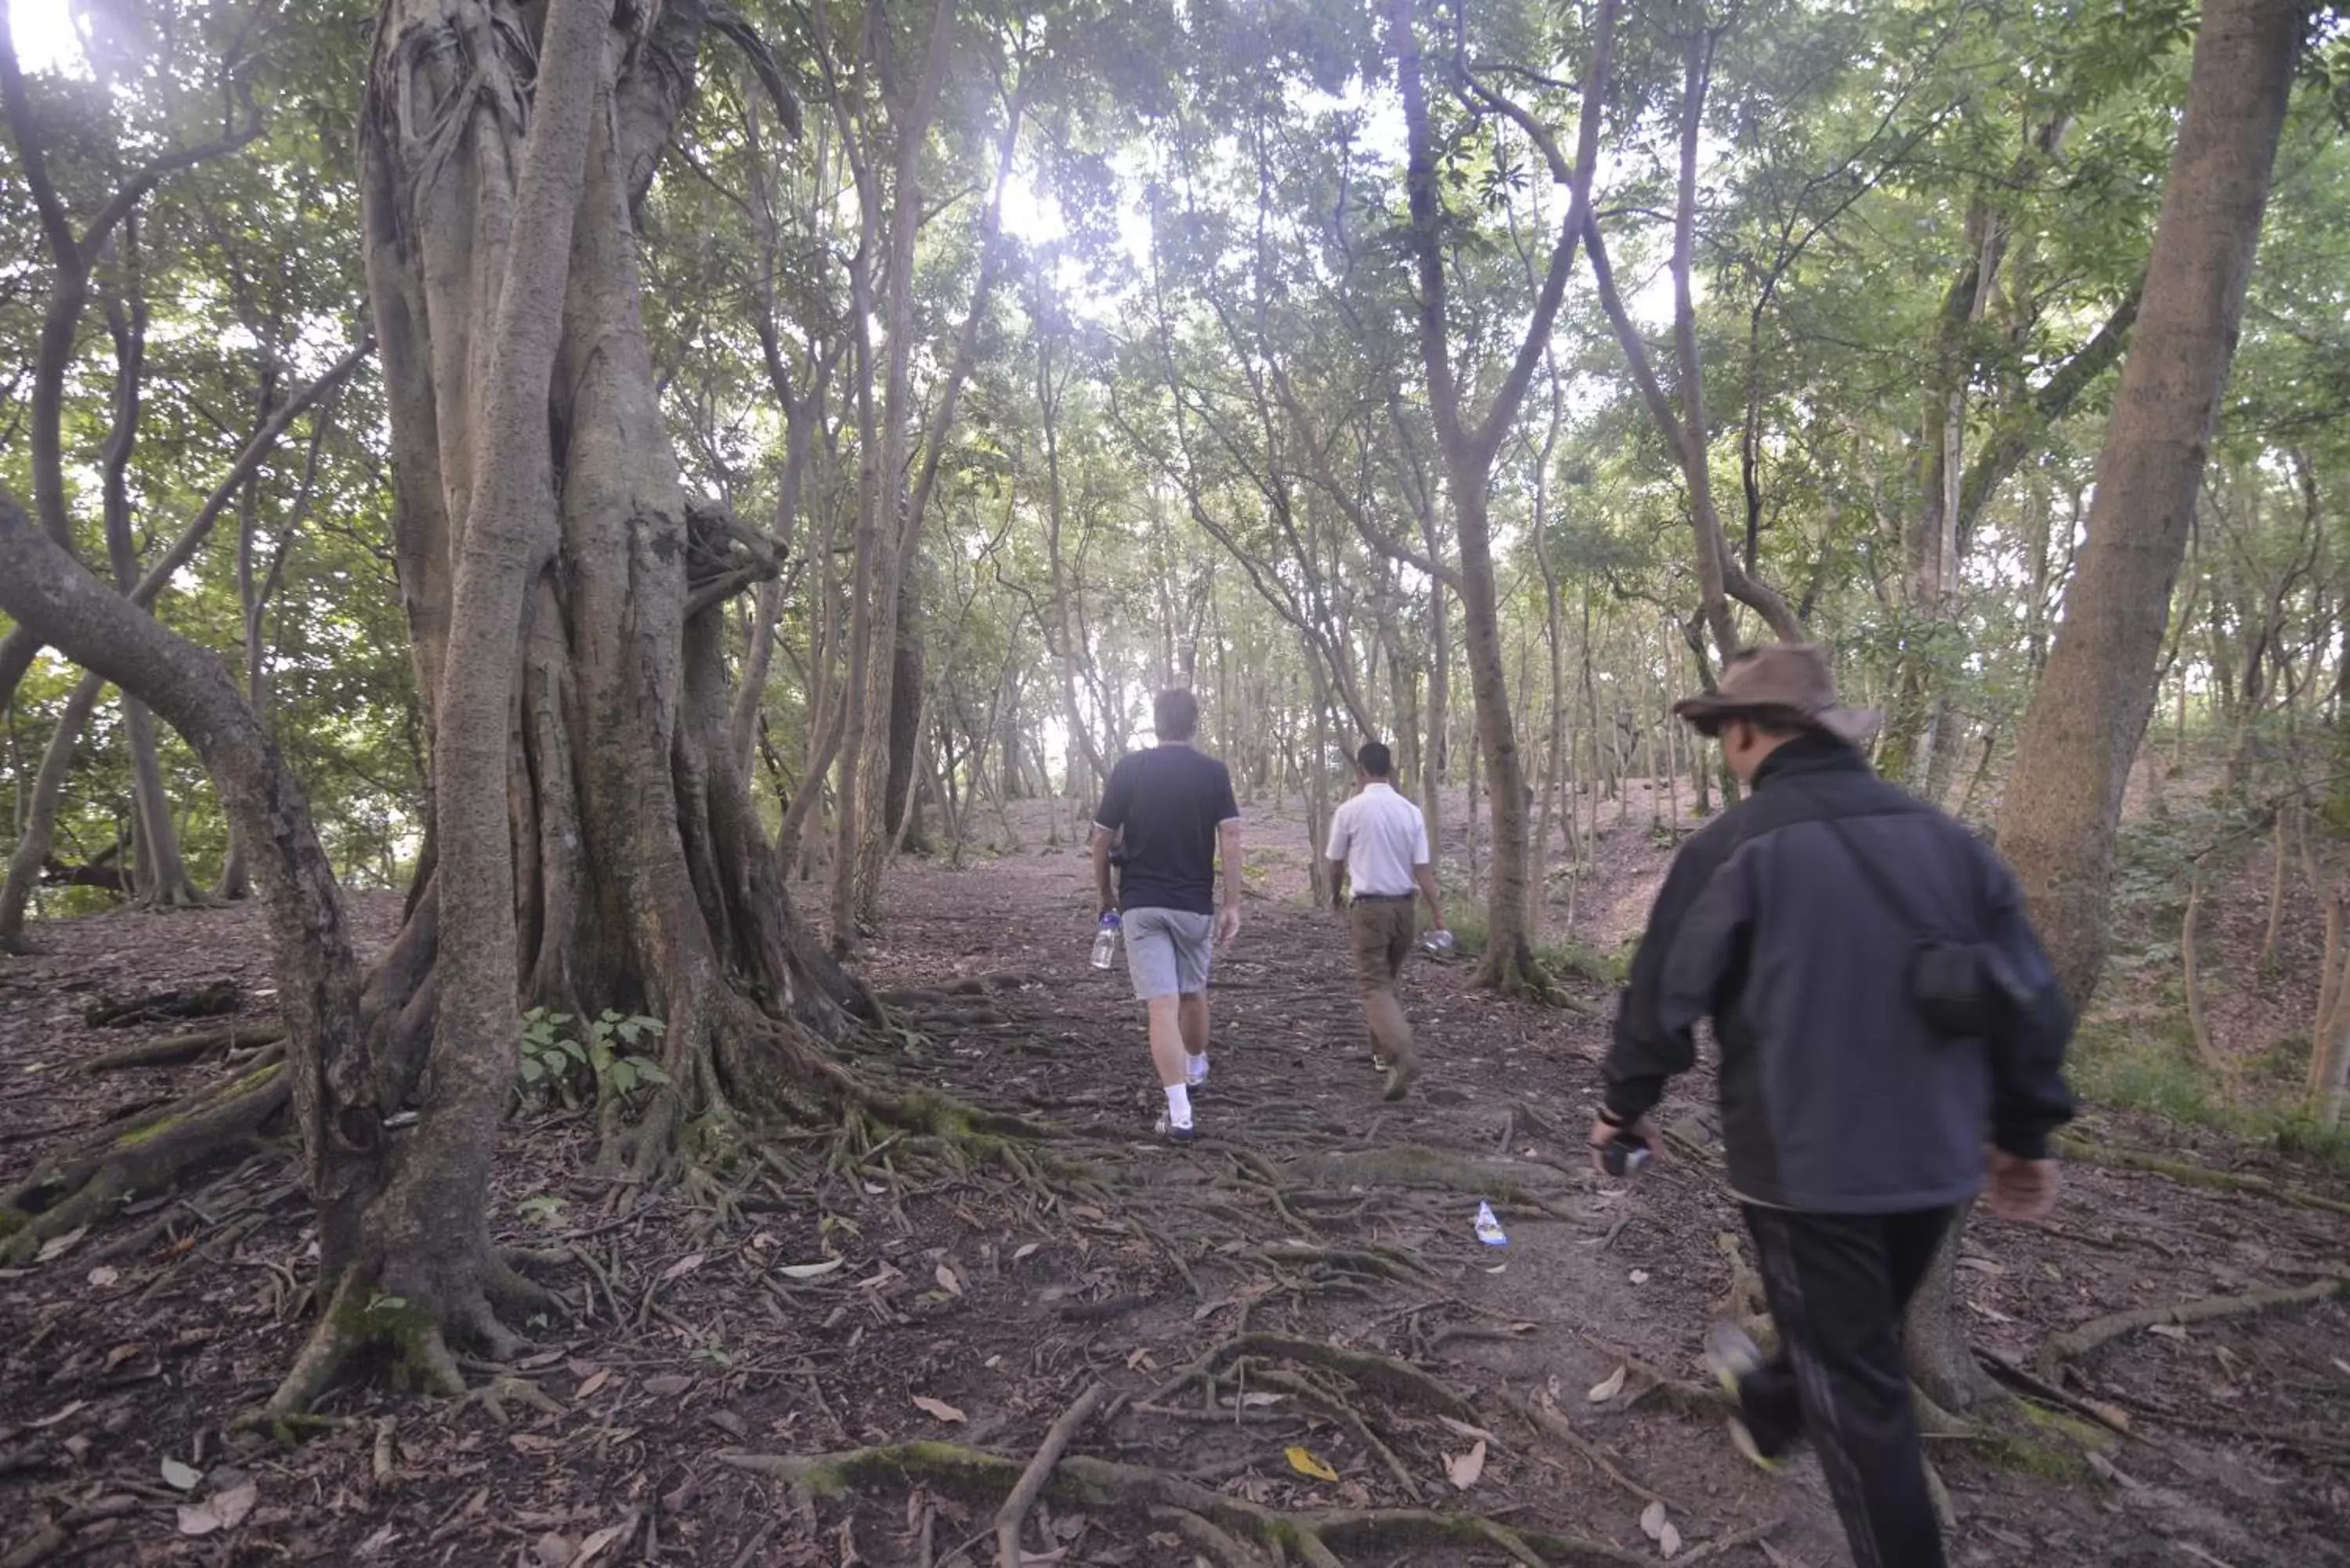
1819, 923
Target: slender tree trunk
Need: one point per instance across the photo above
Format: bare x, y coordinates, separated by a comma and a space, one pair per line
2090, 709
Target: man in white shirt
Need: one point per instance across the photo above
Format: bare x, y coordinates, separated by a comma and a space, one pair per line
1378, 847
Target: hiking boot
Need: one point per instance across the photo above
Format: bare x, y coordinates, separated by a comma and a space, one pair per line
1165, 1127
1195, 1071
1400, 1077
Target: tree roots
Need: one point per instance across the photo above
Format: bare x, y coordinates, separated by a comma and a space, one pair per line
150, 1156
1099, 1484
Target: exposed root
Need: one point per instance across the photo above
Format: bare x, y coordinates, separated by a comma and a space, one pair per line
219, 1122
1399, 1378
2069, 1347
1515, 972
177, 1050
1009, 1518
2193, 1174
1084, 1483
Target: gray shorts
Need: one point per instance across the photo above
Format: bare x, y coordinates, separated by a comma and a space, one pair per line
1166, 952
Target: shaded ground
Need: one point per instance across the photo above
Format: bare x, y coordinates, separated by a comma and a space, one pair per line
975, 1308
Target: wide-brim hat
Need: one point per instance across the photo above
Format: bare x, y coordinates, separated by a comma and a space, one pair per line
1785, 683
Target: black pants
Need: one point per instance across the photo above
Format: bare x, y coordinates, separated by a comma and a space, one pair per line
1838, 1284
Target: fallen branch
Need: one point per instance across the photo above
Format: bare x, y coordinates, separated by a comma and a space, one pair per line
1008, 1518
2055, 1353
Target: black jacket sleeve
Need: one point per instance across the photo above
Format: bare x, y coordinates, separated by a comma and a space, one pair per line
1645, 1051
2029, 1098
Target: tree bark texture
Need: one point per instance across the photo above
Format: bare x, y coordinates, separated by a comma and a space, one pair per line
2090, 709
594, 845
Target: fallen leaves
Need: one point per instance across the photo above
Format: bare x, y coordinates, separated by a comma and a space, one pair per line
1026, 1250
181, 1477
948, 1283
592, 1382
940, 1408
809, 1270
1607, 1388
1303, 1461
59, 1246
684, 1266
668, 1386
225, 1510
1464, 1469
1656, 1527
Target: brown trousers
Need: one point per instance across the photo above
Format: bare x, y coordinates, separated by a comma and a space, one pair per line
1384, 930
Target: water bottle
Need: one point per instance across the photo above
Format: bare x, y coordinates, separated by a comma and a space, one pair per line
1489, 1229
1106, 941
1438, 942
1625, 1155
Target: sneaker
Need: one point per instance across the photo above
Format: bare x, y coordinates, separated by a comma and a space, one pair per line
1749, 1449
1731, 1355
1167, 1129
1195, 1071
1400, 1077
1380, 1063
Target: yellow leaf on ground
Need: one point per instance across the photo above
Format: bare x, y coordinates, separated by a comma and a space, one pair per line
1305, 1464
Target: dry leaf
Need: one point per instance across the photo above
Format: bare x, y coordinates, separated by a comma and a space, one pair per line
668, 1386
197, 1520
594, 1544
947, 1280
810, 1271
1652, 1521
179, 1477
232, 1507
2167, 1330
1462, 1471
59, 1246
594, 1380
1305, 1464
1668, 1539
553, 1551
939, 1407
1478, 1434
1639, 1276
1607, 1388
1026, 1250
1252, 1401
683, 1266
103, 1276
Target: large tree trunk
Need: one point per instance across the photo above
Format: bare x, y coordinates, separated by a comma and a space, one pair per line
593, 842
2086, 717
2082, 729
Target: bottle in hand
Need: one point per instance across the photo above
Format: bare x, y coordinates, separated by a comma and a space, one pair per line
1106, 941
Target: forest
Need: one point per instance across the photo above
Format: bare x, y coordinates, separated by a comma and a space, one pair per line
573, 572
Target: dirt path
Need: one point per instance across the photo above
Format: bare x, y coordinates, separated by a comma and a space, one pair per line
975, 1308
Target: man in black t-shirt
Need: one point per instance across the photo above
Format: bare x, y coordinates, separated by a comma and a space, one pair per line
1175, 808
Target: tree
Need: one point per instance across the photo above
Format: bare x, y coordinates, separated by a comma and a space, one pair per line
1470, 443
2082, 729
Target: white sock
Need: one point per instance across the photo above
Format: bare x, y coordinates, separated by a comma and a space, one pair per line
1195, 1068
1178, 1105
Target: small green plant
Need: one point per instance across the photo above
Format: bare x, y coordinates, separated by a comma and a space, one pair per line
558, 1066
543, 1208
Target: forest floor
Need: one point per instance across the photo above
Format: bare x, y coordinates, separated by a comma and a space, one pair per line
1300, 1287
